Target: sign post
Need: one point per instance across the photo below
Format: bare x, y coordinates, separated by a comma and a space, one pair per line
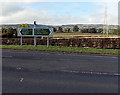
35, 32
48, 41
21, 40
34, 41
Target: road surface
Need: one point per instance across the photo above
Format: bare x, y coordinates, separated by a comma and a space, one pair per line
42, 72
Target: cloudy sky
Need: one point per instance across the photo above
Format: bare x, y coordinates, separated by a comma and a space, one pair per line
56, 12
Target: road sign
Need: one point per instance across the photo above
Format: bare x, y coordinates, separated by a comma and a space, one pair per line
35, 32
38, 31
26, 31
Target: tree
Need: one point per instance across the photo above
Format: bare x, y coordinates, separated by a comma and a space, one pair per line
116, 31
60, 29
84, 30
54, 29
67, 30
23, 25
100, 30
4, 32
92, 30
4, 29
9, 32
75, 28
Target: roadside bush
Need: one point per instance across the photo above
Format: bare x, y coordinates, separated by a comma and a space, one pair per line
110, 43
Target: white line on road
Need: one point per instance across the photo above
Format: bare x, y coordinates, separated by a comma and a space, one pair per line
7, 56
21, 80
114, 57
97, 73
19, 68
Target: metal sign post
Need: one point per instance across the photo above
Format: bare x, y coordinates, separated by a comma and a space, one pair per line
34, 41
48, 41
34, 33
42, 37
21, 40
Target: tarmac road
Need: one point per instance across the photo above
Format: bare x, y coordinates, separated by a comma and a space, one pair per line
43, 72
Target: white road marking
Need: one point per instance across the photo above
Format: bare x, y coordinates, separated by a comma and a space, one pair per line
19, 68
8, 56
21, 80
97, 73
114, 57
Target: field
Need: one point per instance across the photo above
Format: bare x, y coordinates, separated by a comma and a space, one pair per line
86, 35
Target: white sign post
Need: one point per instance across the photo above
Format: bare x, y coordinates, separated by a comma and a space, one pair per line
34, 41
33, 33
48, 41
21, 40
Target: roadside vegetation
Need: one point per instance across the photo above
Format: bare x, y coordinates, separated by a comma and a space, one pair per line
62, 49
66, 33
73, 31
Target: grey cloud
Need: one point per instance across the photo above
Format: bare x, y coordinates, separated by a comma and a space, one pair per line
10, 8
15, 13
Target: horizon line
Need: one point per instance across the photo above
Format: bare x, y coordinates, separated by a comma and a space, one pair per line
57, 24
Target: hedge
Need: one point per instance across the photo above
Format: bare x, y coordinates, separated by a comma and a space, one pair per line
108, 43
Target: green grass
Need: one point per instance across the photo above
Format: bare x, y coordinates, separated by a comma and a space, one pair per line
62, 49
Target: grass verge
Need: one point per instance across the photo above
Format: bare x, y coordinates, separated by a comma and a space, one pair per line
62, 49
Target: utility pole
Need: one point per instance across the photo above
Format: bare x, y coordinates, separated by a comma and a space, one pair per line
106, 21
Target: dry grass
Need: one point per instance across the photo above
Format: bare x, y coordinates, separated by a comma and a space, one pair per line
85, 35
